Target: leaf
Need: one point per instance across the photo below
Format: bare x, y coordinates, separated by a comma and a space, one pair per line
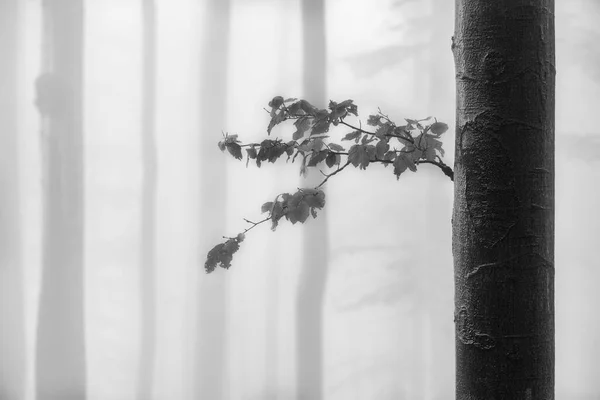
351, 135
339, 111
302, 124
410, 163
303, 211
399, 166
251, 152
299, 213
381, 148
390, 155
331, 159
290, 147
374, 120
434, 143
382, 131
360, 155
335, 147
438, 128
320, 114
316, 199
319, 127
353, 109
316, 144
221, 255
276, 119
276, 102
270, 150
276, 214
430, 154
346, 103
317, 158
306, 107
303, 166
235, 150
420, 142
267, 207
296, 109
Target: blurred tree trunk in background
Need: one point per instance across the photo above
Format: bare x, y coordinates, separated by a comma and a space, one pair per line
210, 375
272, 350
503, 222
148, 214
60, 354
437, 242
314, 268
12, 332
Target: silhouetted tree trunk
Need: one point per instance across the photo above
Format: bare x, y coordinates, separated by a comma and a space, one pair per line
503, 222
148, 222
314, 268
210, 349
60, 356
12, 332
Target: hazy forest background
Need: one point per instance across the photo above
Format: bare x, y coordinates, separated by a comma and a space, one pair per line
113, 300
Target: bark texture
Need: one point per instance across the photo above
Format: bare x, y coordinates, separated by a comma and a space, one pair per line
314, 268
12, 333
503, 221
148, 207
211, 351
60, 353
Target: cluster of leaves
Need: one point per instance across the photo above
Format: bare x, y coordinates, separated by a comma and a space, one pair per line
222, 254
403, 146
296, 207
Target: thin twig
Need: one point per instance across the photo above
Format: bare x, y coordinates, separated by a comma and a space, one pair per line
332, 174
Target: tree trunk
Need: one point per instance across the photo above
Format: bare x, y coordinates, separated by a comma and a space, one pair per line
12, 333
210, 363
313, 273
503, 222
148, 222
60, 357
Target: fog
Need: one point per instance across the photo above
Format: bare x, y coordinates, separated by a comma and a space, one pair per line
384, 319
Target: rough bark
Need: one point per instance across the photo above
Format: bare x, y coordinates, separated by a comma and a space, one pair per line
503, 221
148, 207
60, 354
314, 268
12, 333
210, 353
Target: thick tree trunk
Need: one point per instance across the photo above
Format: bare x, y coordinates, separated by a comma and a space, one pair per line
503, 222
314, 269
148, 222
210, 353
60, 357
12, 332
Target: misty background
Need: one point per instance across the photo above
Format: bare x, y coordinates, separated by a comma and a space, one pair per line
139, 192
